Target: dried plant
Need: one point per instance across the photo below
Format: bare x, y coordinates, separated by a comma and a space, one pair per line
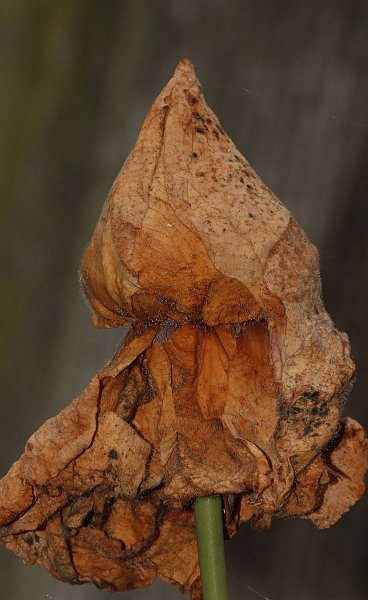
231, 380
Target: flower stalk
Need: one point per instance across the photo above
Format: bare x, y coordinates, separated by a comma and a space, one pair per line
210, 543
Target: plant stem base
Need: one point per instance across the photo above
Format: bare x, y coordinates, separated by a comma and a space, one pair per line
210, 542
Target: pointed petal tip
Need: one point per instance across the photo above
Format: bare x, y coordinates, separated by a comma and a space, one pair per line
185, 73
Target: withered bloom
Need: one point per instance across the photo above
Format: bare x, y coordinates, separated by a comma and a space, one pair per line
231, 379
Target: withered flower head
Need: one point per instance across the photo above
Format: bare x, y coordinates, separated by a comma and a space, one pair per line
230, 381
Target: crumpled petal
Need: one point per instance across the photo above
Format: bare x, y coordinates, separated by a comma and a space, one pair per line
346, 462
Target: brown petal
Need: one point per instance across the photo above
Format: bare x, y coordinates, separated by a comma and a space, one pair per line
348, 463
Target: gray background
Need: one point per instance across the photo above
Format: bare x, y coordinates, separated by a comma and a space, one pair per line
289, 83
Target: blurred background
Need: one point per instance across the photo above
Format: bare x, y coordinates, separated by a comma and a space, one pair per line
289, 82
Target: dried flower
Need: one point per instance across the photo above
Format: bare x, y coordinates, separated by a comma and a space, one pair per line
231, 380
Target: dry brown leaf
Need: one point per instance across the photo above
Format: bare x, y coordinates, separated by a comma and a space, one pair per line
231, 380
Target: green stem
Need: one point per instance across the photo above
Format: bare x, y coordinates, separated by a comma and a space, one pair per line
210, 542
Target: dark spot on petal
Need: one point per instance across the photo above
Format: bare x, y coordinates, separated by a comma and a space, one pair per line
88, 518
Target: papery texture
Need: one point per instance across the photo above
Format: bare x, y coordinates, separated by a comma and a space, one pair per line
231, 380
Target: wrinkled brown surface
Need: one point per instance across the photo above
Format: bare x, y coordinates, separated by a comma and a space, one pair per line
231, 379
